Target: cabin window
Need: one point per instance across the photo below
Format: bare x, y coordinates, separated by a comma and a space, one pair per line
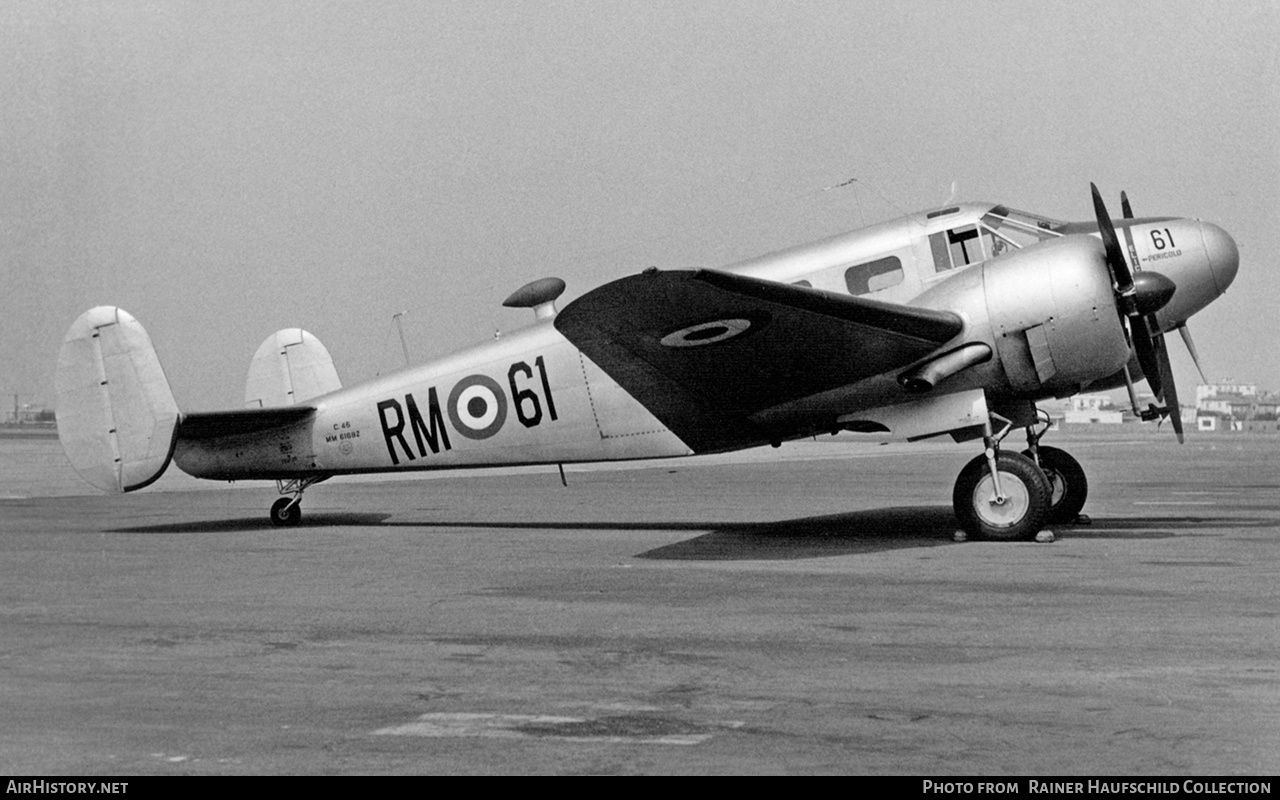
874, 275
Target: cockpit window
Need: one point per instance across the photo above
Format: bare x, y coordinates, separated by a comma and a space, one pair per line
1012, 229
959, 247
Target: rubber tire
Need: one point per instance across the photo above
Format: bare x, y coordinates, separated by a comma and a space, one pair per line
285, 516
1062, 470
1022, 481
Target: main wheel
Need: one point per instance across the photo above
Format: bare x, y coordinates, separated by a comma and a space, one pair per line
1069, 487
1019, 515
286, 513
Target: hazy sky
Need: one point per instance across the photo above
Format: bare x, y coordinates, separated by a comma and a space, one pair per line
222, 170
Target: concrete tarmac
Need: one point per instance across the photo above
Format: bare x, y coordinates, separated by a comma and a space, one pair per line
795, 611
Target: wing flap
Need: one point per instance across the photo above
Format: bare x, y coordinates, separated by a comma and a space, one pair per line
703, 350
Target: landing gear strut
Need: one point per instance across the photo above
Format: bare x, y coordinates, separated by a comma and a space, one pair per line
287, 511
1009, 497
1070, 487
1001, 496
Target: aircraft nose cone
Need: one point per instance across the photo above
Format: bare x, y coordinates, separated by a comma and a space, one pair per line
1224, 258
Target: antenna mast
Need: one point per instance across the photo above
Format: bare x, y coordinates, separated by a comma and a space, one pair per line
400, 327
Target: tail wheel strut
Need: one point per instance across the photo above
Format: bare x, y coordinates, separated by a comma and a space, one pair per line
287, 511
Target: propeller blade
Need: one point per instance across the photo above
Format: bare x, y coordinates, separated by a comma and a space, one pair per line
1138, 304
1191, 348
1170, 387
1148, 357
1124, 206
1115, 256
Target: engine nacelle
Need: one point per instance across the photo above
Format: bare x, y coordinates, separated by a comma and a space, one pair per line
1053, 317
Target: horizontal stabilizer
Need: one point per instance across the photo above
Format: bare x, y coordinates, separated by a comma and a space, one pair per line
116, 414
217, 424
291, 366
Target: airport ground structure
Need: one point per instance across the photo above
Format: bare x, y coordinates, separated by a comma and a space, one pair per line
1226, 407
1237, 408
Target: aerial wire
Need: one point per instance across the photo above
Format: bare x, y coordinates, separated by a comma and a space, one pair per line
855, 182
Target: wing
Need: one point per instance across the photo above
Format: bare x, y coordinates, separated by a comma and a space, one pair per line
704, 350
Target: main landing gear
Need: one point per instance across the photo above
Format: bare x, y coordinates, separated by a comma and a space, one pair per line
1010, 496
287, 511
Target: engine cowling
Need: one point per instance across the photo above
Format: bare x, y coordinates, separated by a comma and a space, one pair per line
1053, 317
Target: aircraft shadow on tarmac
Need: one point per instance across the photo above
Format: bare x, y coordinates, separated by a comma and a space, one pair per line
317, 520
814, 537
889, 529
875, 530
806, 537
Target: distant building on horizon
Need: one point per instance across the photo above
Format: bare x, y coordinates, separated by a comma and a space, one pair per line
29, 415
1236, 407
1092, 409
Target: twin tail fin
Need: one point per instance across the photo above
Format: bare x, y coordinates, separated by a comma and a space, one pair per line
117, 418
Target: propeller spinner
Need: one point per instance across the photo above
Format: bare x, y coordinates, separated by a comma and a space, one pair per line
1137, 300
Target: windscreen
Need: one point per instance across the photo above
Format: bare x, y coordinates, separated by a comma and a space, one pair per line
1012, 229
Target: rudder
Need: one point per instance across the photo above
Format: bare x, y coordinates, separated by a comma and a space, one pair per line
117, 418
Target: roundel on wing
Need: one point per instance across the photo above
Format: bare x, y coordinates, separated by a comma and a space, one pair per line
707, 333
477, 407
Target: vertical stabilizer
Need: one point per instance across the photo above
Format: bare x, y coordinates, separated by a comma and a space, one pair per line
116, 415
289, 367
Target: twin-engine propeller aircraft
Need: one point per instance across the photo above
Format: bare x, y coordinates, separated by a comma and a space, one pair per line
953, 321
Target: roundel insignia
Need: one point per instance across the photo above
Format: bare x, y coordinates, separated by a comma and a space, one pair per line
707, 333
477, 407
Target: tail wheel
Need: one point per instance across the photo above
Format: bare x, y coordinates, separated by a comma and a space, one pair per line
285, 513
1019, 514
1069, 488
